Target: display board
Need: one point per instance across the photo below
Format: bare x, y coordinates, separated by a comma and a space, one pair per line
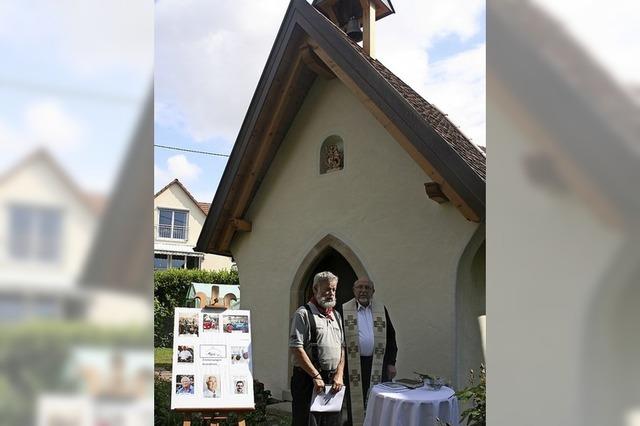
212, 359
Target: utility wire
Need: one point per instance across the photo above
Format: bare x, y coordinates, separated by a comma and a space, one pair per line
175, 148
80, 93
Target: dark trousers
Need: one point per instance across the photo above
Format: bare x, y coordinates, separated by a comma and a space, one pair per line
366, 363
301, 391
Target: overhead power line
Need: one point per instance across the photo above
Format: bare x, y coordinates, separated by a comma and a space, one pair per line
68, 91
175, 148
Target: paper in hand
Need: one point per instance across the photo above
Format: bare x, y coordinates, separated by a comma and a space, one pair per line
327, 402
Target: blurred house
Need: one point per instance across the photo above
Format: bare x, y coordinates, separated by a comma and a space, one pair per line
178, 220
47, 225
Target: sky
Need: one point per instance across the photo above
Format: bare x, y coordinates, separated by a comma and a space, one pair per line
209, 57
73, 78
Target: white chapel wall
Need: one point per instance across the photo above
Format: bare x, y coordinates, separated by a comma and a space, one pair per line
377, 206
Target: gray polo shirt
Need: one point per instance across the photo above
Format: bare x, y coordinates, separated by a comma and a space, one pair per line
330, 338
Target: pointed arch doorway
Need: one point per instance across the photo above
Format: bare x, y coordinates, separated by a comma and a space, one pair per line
329, 254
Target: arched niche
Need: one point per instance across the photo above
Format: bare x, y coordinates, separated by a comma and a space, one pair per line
331, 155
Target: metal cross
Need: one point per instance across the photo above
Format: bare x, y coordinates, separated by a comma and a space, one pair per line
352, 349
379, 323
351, 322
379, 350
354, 377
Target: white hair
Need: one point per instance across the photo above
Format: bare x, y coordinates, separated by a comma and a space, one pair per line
324, 277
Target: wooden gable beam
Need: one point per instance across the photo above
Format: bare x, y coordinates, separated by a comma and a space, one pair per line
314, 63
264, 144
240, 225
382, 118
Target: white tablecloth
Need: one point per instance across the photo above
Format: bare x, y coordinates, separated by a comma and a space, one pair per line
415, 407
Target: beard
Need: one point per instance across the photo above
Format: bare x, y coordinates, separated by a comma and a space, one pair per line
327, 302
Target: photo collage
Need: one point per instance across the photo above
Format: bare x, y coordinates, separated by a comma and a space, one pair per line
212, 359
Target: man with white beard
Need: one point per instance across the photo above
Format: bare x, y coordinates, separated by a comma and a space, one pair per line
316, 343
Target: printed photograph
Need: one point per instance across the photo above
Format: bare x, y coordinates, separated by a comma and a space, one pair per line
211, 389
239, 354
188, 324
210, 322
185, 353
236, 324
239, 385
184, 384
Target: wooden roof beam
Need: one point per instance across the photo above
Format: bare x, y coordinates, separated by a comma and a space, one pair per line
314, 63
266, 139
240, 225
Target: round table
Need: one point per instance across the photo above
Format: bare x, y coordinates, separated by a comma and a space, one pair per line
411, 407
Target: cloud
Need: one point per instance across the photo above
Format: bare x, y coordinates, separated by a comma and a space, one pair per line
609, 33
177, 167
45, 123
455, 84
209, 58
90, 36
48, 124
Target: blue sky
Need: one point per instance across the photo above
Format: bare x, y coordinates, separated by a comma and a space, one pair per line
209, 58
73, 80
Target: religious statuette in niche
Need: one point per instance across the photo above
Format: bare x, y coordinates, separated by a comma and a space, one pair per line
334, 158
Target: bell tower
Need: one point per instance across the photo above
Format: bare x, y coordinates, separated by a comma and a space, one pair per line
357, 18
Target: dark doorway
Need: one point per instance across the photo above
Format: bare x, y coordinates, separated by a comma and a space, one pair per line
335, 263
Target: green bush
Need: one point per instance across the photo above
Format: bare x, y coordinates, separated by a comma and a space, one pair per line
476, 395
170, 291
33, 357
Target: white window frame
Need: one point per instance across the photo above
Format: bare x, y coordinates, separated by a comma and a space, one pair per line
172, 228
34, 237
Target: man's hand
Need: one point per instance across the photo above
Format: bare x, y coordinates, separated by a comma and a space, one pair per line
391, 371
318, 384
337, 383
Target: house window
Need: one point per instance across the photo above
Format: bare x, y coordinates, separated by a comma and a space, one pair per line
177, 262
173, 224
161, 261
332, 155
167, 261
193, 262
35, 233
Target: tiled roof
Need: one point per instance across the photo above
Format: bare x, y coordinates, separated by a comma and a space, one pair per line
204, 206
436, 119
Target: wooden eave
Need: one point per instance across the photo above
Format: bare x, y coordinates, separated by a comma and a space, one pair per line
282, 88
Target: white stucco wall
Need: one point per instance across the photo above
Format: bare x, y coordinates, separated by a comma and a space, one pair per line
377, 205
37, 185
550, 258
175, 198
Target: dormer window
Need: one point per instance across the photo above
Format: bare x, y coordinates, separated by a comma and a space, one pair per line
173, 224
35, 233
332, 155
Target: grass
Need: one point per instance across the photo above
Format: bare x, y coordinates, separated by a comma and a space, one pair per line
163, 356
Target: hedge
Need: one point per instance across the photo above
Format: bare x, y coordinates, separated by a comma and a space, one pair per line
33, 357
170, 291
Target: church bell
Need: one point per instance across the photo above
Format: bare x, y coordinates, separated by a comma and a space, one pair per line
353, 29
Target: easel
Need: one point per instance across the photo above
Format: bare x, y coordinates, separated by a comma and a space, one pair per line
213, 418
